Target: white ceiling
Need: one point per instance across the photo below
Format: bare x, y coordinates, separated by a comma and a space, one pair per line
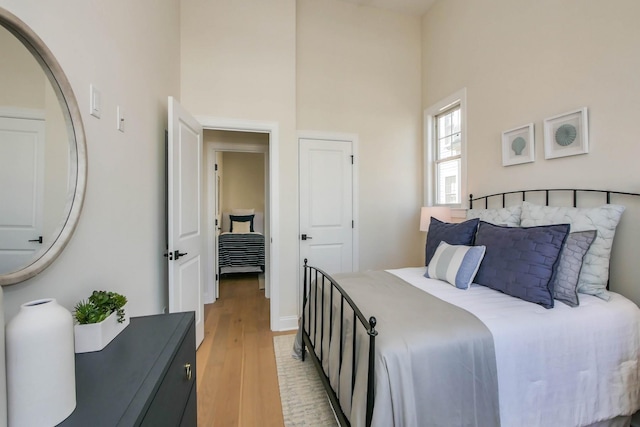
411, 7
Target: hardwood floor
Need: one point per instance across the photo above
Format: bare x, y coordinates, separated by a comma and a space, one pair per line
236, 367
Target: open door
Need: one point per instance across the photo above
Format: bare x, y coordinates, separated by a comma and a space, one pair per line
217, 192
184, 181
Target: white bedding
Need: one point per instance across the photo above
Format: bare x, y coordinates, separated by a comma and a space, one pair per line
558, 367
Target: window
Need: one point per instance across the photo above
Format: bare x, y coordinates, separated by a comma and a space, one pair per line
445, 163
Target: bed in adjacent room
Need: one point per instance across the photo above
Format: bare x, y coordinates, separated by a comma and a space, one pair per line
511, 323
241, 243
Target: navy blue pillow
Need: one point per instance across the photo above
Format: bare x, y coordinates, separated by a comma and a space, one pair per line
241, 218
521, 262
460, 233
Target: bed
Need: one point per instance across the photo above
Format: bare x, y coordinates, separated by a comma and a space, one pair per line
396, 348
241, 249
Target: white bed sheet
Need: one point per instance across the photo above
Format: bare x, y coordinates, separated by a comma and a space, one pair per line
548, 360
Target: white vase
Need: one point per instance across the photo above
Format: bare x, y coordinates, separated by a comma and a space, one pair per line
41, 384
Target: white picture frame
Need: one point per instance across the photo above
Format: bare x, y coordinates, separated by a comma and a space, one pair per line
566, 134
518, 145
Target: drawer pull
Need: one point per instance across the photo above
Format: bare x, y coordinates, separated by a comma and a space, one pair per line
187, 369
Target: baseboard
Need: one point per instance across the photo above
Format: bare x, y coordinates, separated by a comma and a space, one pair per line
288, 323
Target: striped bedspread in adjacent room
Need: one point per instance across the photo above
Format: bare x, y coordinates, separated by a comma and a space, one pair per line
241, 250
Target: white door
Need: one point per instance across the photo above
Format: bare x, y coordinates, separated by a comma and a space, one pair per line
186, 264
217, 195
22, 145
326, 204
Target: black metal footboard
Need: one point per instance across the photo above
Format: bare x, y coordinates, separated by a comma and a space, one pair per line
320, 280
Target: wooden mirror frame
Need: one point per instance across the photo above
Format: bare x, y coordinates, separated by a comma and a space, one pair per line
77, 146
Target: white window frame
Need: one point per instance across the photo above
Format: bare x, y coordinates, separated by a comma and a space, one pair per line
429, 148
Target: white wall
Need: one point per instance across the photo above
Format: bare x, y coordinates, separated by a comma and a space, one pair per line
238, 61
524, 61
243, 186
323, 66
359, 72
129, 50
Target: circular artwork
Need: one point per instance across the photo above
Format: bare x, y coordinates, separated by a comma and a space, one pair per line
566, 134
518, 144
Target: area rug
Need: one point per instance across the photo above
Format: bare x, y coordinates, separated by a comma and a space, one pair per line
304, 401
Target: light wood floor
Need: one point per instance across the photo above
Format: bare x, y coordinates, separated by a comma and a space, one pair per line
236, 367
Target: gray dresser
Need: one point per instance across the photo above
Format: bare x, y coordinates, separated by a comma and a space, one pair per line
145, 377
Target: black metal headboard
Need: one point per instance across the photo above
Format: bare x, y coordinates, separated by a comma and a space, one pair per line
606, 193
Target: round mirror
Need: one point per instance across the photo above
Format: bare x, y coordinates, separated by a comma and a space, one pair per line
42, 154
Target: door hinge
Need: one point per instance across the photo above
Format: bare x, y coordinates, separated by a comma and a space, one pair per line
216, 166
216, 221
353, 224
352, 159
217, 278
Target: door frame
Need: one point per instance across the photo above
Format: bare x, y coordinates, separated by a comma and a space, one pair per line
211, 290
272, 202
355, 236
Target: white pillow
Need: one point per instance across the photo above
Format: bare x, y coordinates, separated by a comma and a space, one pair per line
242, 211
509, 216
604, 219
455, 264
241, 226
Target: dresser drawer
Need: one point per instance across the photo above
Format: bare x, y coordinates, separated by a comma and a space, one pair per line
173, 394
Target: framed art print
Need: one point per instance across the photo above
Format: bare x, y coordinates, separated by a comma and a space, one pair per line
566, 134
518, 145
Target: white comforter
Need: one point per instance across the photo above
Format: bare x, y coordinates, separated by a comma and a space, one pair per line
561, 367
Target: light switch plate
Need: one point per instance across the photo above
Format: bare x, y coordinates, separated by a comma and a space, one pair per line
94, 101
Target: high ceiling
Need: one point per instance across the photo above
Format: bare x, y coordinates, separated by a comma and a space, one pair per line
411, 7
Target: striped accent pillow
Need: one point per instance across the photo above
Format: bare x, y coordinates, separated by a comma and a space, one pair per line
456, 264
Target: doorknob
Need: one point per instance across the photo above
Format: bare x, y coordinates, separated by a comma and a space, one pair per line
177, 254
39, 240
305, 237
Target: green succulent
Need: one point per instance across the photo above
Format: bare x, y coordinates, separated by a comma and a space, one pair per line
99, 306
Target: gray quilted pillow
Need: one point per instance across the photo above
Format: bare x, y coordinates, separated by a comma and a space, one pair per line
521, 262
565, 282
509, 216
595, 269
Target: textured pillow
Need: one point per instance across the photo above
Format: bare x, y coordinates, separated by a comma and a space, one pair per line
521, 262
509, 216
455, 264
461, 233
240, 227
604, 219
565, 282
241, 218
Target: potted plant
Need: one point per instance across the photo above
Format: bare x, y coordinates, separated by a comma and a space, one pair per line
99, 319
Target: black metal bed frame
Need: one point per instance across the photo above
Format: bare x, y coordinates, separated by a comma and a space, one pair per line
319, 278
575, 192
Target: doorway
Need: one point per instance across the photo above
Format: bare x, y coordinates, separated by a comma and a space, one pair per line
271, 217
237, 171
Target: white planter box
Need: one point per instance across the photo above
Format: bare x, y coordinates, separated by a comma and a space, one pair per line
96, 336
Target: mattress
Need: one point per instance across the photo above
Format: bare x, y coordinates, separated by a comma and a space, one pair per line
240, 250
560, 367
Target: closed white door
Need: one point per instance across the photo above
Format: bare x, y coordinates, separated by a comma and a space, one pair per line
22, 146
184, 215
326, 204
